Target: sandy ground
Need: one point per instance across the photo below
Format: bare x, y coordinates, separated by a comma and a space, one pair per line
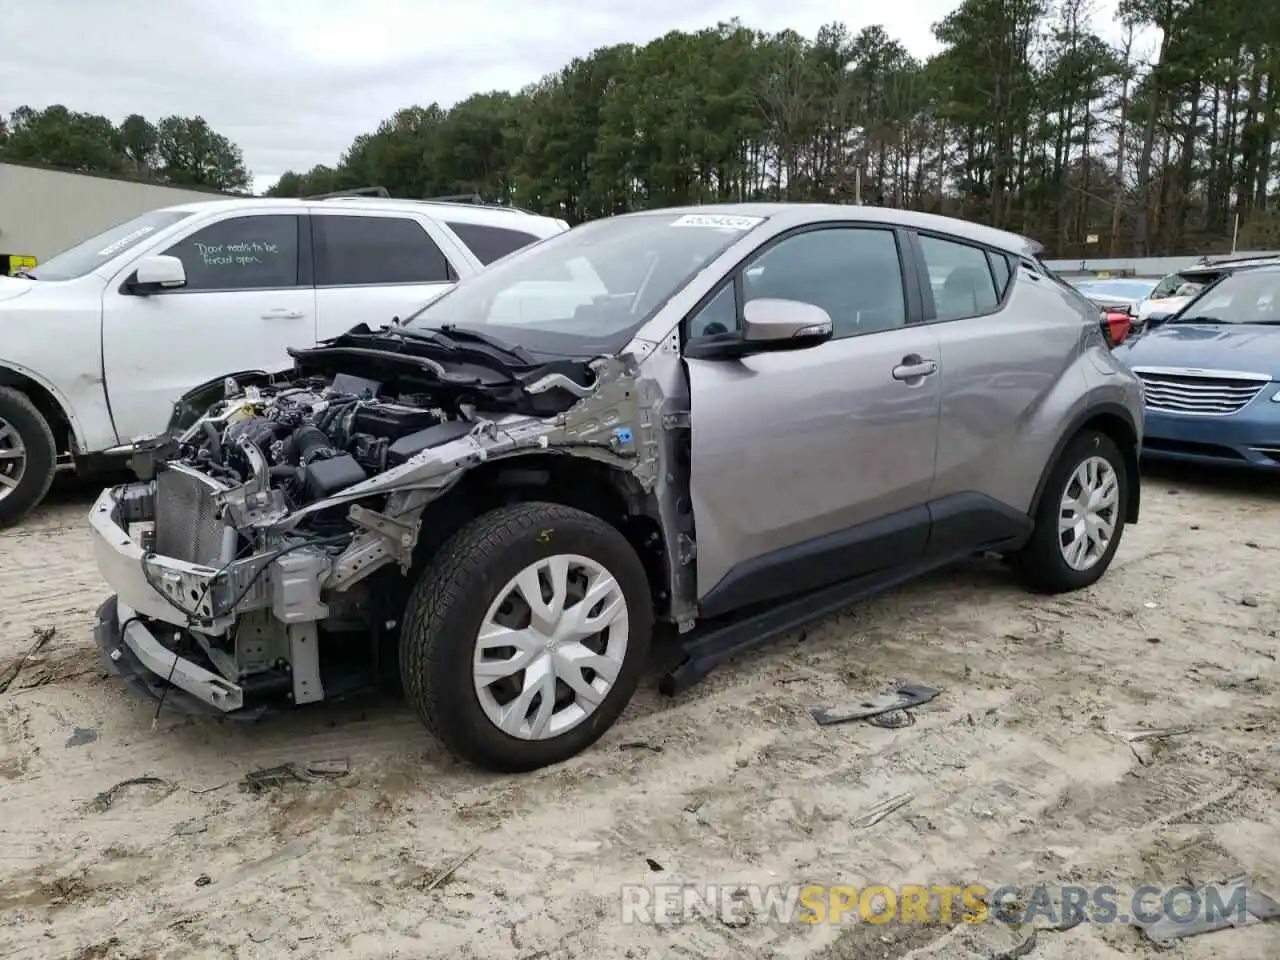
1016, 772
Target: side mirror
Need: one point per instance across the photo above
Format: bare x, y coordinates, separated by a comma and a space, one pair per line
768, 326
784, 325
157, 273
1156, 319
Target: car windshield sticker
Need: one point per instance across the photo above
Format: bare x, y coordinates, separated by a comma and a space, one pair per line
124, 241
723, 221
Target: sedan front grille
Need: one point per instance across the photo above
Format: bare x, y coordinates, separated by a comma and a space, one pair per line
186, 517
1204, 393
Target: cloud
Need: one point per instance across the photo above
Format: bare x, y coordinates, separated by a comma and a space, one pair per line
294, 81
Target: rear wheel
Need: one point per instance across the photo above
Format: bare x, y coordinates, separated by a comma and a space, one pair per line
28, 456
526, 636
1080, 518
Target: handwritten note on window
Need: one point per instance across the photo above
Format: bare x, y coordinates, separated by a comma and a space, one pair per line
244, 254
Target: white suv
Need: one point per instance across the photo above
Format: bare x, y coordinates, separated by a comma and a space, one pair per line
101, 340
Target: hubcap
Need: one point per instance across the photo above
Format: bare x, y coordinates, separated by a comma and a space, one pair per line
1087, 516
551, 647
13, 458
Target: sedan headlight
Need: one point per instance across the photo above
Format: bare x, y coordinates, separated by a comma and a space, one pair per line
1275, 397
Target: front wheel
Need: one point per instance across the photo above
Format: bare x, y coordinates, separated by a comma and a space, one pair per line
28, 456
1080, 519
525, 637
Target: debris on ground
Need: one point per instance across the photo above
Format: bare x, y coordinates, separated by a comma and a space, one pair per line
1257, 907
267, 778
906, 697
82, 735
203, 880
106, 798
42, 636
424, 884
882, 810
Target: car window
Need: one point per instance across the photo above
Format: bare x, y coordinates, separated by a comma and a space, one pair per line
1172, 285
853, 273
491, 243
243, 253
720, 315
352, 251
1001, 270
960, 276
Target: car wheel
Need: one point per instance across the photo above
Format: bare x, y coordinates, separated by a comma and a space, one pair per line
1080, 518
28, 456
525, 637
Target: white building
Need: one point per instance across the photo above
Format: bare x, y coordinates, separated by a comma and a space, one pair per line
44, 211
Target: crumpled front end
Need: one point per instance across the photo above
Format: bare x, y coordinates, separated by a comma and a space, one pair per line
251, 564
227, 627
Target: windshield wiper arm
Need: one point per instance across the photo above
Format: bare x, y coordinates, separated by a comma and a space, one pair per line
1198, 318
515, 351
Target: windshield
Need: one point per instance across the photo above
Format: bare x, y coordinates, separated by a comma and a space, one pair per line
587, 291
87, 256
1130, 289
1243, 297
1182, 285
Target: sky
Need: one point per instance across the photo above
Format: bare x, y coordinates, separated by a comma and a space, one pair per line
293, 82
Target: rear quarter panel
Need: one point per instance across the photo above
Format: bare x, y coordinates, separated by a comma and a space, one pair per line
1015, 383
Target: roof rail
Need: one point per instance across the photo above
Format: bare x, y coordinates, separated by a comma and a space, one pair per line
381, 192
475, 200
1212, 260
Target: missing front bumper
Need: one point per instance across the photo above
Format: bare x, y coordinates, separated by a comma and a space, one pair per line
134, 655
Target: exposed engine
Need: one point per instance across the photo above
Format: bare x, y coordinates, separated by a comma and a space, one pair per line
316, 437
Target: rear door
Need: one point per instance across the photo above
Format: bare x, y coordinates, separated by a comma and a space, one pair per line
813, 466
248, 298
1004, 346
371, 267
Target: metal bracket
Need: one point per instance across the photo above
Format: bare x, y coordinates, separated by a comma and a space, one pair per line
676, 421
403, 535
688, 549
304, 663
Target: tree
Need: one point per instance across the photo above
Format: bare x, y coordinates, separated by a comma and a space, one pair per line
180, 151
1026, 119
191, 154
140, 143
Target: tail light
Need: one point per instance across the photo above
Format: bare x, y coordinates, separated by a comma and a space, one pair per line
1116, 325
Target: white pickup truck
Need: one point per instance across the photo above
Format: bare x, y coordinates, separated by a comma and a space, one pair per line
97, 343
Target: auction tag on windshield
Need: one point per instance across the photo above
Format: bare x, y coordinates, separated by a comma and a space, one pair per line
723, 221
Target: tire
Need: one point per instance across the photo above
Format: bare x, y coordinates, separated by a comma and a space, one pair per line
19, 414
454, 596
1042, 562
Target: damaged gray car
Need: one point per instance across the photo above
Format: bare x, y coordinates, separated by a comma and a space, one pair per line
729, 420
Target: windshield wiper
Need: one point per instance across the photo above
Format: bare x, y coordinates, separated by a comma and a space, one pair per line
449, 334
1199, 319
513, 350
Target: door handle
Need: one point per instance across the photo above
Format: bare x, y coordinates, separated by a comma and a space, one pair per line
283, 315
914, 368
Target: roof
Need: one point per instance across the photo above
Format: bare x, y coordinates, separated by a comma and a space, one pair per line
455, 212
799, 214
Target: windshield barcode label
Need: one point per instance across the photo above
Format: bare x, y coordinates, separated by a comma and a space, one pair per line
723, 221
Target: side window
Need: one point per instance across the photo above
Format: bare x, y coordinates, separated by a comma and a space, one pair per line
1001, 270
354, 251
244, 253
851, 272
491, 243
960, 276
720, 315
